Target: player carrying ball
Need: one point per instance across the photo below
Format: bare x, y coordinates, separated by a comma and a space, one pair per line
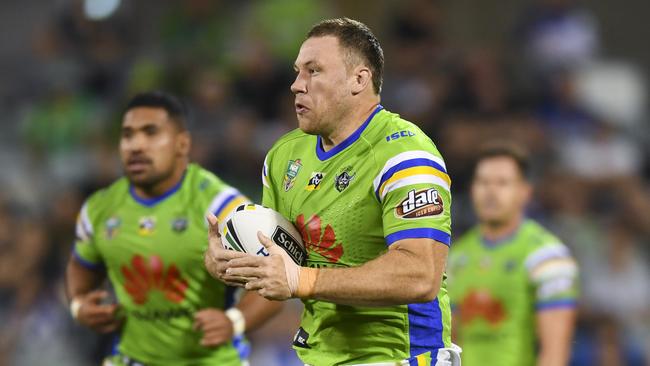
147, 232
370, 194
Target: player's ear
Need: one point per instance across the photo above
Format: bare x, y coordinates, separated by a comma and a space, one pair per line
362, 79
527, 192
184, 143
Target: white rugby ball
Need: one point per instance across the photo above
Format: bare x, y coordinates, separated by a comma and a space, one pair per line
239, 232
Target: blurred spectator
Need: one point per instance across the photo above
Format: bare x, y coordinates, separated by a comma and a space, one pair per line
558, 34
618, 287
560, 111
602, 153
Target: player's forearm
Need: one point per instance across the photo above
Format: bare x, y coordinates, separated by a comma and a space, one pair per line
398, 277
257, 310
80, 280
555, 331
552, 359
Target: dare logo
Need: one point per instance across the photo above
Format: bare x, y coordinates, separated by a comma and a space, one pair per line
421, 203
145, 275
318, 239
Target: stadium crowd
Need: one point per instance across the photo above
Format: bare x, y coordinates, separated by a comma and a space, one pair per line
231, 62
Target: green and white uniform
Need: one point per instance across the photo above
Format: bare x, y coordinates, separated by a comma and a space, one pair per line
153, 251
497, 288
384, 183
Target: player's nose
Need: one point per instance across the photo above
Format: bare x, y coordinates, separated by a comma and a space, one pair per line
299, 85
136, 143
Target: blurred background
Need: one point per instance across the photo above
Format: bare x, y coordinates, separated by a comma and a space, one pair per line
567, 79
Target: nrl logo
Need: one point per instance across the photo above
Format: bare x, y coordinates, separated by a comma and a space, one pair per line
112, 226
343, 180
293, 168
426, 202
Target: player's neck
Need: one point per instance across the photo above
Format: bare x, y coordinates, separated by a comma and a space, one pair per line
498, 232
162, 187
348, 124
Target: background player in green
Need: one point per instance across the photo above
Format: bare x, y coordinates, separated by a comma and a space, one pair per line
511, 282
370, 194
147, 231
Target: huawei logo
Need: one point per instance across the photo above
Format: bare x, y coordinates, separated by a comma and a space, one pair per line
145, 275
318, 240
481, 304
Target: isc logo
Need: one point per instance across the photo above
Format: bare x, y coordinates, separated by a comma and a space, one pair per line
419, 204
397, 135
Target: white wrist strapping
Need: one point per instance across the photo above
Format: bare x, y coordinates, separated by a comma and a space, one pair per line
238, 322
292, 271
75, 305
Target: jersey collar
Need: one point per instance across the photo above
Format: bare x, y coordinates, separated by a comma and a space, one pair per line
149, 202
324, 155
502, 240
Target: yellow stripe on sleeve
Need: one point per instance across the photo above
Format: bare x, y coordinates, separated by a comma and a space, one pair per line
226, 211
418, 170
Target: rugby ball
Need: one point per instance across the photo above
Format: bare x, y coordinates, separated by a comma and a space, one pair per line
239, 232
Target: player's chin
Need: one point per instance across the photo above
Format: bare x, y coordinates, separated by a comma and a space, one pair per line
140, 179
307, 125
493, 219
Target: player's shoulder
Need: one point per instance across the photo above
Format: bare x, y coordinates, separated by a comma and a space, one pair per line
104, 199
206, 188
290, 139
199, 180
536, 235
540, 244
401, 150
398, 139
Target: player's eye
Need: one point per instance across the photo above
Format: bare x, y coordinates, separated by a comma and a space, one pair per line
150, 130
127, 133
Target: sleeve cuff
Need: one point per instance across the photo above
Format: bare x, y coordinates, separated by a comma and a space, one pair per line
428, 233
86, 263
555, 304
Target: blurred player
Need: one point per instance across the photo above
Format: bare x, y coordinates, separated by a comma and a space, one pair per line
147, 232
369, 192
512, 283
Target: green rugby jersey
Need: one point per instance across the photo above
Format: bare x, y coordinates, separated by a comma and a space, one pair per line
385, 182
152, 250
497, 288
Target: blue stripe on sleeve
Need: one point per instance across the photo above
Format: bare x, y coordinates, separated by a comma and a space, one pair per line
87, 264
225, 203
563, 303
405, 165
426, 232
